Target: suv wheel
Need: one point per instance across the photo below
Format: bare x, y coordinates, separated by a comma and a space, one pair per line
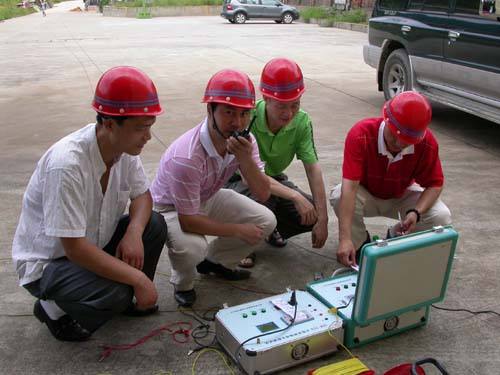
240, 17
287, 17
397, 74
278, 21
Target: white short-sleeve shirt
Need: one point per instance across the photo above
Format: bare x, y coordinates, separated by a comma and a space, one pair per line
64, 199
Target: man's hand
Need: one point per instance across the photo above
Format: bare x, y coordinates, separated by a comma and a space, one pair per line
319, 234
409, 224
250, 233
145, 293
306, 210
346, 253
240, 147
131, 249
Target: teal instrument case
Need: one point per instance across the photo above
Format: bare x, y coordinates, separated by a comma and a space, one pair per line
398, 280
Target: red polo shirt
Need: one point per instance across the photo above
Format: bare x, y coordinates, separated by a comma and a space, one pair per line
382, 178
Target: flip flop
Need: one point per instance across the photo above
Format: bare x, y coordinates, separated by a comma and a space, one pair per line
248, 261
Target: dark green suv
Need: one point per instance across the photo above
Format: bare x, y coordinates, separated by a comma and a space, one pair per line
449, 50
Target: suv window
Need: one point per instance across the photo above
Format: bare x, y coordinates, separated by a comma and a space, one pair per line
467, 6
392, 4
268, 2
430, 5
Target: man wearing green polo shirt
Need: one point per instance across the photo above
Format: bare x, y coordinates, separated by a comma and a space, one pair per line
283, 131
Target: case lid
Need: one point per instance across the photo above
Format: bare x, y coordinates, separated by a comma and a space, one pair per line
404, 273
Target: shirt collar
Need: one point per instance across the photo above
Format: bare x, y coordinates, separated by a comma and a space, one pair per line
95, 152
382, 148
208, 145
261, 122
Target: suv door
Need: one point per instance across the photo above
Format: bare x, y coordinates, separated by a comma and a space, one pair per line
270, 9
472, 49
426, 35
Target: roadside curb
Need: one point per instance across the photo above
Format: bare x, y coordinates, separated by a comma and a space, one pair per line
324, 22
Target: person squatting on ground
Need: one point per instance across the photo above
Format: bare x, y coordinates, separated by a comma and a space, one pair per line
391, 168
188, 191
284, 131
73, 249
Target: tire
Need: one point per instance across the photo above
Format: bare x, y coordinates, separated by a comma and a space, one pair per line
287, 18
239, 18
397, 75
230, 20
278, 21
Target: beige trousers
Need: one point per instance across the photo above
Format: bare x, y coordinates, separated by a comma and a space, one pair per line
186, 250
369, 206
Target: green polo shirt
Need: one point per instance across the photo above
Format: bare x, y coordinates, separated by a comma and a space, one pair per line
278, 150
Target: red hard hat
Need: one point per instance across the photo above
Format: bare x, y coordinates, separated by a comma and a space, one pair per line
230, 87
282, 80
126, 91
408, 114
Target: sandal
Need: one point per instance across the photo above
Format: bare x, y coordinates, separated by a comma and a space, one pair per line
276, 240
248, 261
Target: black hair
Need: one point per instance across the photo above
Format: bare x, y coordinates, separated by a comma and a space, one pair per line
118, 119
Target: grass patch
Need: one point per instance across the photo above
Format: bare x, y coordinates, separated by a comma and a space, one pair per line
9, 9
165, 3
334, 15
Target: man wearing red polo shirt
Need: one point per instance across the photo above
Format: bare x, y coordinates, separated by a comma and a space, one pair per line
391, 168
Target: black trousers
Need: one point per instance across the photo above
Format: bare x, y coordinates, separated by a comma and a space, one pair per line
91, 299
287, 216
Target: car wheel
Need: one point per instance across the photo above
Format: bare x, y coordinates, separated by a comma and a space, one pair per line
397, 75
240, 18
278, 21
287, 18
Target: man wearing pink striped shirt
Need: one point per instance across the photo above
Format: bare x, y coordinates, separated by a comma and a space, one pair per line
188, 191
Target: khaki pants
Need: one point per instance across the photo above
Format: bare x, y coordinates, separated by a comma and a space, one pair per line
186, 250
368, 206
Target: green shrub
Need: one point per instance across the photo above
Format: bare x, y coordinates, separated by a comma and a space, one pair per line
333, 15
9, 9
165, 3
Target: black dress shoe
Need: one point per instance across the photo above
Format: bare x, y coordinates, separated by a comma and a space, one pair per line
65, 328
206, 267
132, 310
185, 298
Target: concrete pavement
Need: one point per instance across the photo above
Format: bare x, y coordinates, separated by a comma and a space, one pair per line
48, 69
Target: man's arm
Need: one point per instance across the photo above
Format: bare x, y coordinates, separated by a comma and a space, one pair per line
426, 200
131, 249
346, 253
96, 260
317, 186
204, 225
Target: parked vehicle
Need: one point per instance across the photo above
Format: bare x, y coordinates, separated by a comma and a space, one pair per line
449, 50
238, 11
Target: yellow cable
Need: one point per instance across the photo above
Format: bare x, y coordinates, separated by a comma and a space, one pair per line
193, 369
351, 366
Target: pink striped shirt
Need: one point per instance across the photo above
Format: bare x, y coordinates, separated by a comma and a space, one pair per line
191, 171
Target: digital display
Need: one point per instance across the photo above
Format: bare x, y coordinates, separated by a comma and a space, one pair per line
266, 327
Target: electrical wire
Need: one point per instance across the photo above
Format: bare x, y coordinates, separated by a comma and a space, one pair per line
226, 362
467, 310
175, 329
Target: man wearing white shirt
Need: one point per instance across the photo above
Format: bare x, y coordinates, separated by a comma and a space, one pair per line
74, 249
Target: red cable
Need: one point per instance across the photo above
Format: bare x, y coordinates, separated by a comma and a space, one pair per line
184, 329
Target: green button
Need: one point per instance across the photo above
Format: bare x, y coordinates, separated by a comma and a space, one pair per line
263, 310
353, 284
346, 286
254, 312
245, 315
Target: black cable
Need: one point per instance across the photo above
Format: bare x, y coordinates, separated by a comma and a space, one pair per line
466, 310
348, 303
236, 357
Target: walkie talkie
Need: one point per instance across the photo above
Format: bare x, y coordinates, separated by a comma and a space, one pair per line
244, 133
